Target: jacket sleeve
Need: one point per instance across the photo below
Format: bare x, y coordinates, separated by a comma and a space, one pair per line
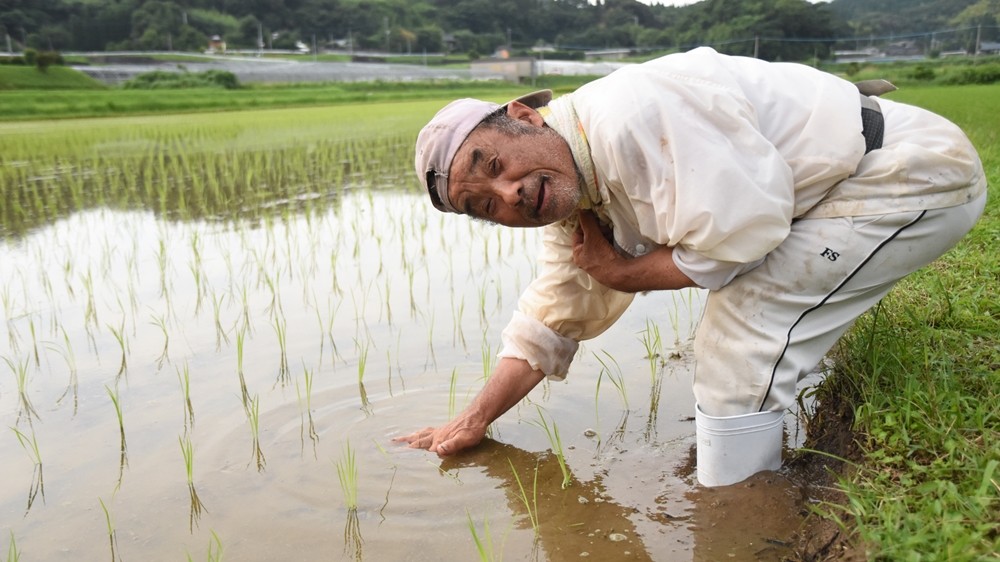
562, 306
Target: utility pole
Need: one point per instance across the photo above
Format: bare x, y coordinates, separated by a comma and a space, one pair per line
979, 34
385, 23
756, 46
260, 39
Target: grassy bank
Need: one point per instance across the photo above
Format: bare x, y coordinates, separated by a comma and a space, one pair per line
923, 372
29, 105
53, 78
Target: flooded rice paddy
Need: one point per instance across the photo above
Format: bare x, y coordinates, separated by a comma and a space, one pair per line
214, 325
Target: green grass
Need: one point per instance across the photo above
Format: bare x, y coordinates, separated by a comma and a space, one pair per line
923, 373
28, 104
54, 78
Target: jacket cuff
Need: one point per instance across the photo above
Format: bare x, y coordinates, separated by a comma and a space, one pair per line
542, 347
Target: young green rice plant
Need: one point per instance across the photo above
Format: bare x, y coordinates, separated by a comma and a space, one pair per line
70, 358
240, 340
221, 334
347, 473
20, 371
557, 447
654, 348
214, 549
611, 369
37, 477
112, 532
196, 271
484, 545
184, 377
305, 407
161, 323
280, 328
13, 555
120, 337
451, 393
489, 357
123, 461
530, 504
187, 449
34, 341
90, 313
252, 408
362, 366
650, 338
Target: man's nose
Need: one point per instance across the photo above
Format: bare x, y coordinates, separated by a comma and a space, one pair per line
511, 192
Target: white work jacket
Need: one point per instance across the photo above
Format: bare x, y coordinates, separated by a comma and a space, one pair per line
715, 156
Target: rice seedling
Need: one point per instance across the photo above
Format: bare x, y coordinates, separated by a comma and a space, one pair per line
123, 461
617, 379
614, 375
67, 355
90, 314
654, 348
119, 334
650, 338
305, 407
252, 409
184, 377
557, 447
489, 357
362, 366
281, 329
160, 322
347, 473
530, 504
451, 393
214, 549
37, 486
34, 341
484, 545
20, 371
112, 532
13, 554
240, 340
187, 449
221, 334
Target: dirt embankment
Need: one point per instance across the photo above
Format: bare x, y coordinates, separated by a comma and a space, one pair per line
830, 431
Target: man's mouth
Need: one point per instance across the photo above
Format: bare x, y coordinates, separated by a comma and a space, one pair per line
540, 198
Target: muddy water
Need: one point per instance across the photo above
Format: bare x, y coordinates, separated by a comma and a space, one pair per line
352, 324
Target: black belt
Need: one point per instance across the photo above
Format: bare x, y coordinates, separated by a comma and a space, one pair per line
872, 123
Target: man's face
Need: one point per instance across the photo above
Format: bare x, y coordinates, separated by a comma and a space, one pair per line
523, 179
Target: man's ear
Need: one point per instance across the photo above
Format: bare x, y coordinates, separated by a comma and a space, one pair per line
519, 111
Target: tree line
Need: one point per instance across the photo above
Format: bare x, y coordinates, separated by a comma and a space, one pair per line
791, 29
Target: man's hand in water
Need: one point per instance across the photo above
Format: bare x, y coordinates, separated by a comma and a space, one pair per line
511, 381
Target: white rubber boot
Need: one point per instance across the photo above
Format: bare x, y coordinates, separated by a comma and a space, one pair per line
731, 449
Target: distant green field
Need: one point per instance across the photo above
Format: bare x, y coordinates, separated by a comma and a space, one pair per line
54, 78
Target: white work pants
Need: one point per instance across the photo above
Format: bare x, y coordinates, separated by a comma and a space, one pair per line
773, 325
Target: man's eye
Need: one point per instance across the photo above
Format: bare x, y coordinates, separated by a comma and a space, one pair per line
494, 166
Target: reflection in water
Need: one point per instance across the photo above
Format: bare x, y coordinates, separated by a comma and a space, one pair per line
580, 520
353, 541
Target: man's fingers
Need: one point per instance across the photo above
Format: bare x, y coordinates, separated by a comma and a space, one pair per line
414, 439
